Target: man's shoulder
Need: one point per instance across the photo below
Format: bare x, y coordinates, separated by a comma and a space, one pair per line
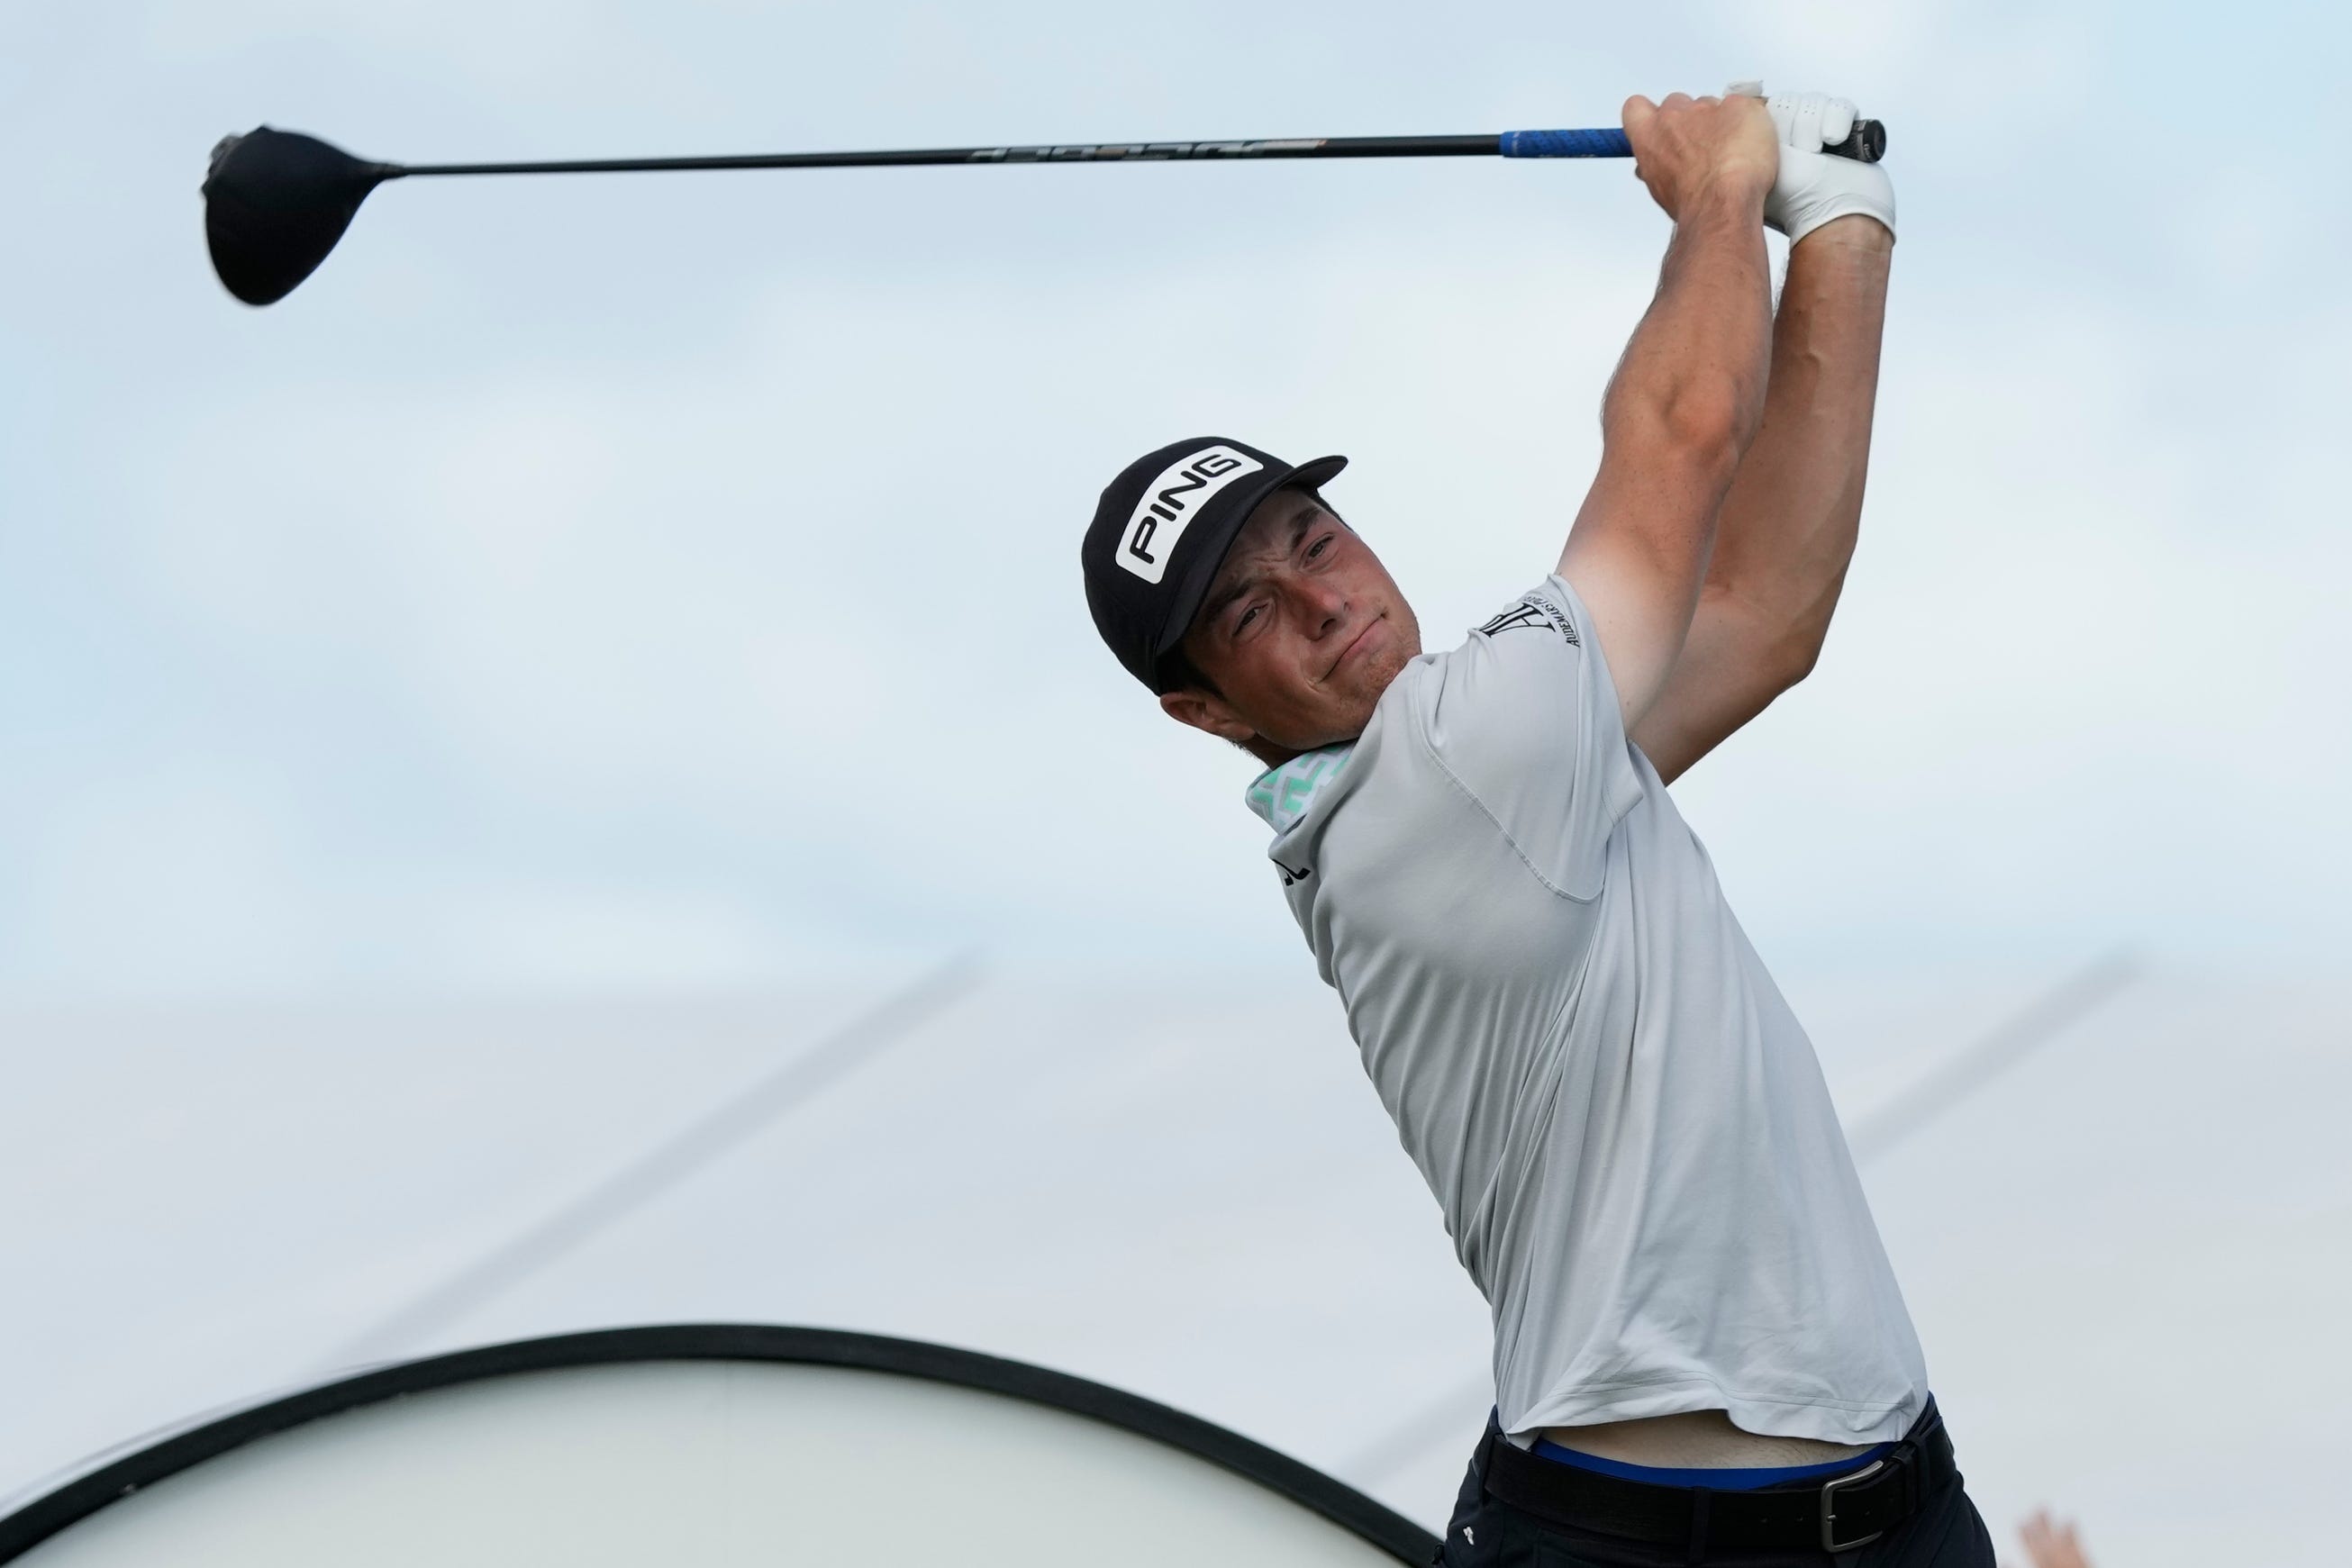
1550, 606
1521, 723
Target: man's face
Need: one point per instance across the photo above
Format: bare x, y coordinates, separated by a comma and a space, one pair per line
1301, 633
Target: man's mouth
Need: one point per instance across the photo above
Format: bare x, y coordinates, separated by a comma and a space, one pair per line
1349, 650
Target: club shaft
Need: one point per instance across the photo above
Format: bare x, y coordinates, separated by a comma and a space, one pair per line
1070, 152
1867, 143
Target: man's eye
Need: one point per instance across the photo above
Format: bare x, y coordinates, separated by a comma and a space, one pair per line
1247, 616
1319, 545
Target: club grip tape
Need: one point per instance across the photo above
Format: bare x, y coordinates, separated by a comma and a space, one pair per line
1564, 144
1866, 143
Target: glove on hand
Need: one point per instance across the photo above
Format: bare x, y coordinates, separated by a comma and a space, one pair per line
1815, 186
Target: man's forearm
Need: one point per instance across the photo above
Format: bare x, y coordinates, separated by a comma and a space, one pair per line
1794, 509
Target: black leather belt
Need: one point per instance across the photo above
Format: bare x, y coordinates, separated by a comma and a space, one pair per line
1842, 1513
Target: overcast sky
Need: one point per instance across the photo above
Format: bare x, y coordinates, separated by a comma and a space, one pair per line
669, 582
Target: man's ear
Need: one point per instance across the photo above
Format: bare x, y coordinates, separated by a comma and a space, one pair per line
1206, 712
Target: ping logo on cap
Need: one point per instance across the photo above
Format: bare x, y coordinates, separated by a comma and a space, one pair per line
1171, 503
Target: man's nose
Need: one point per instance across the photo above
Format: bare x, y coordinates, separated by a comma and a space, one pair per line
1325, 606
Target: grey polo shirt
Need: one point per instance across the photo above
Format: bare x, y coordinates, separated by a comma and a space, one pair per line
1624, 1122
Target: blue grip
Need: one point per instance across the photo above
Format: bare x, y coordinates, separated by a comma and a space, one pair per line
1566, 144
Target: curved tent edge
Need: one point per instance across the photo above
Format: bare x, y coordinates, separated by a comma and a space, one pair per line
1311, 1489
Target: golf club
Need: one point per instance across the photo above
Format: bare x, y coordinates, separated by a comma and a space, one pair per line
275, 201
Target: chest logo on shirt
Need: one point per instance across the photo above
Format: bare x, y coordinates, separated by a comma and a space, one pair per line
1171, 503
1529, 613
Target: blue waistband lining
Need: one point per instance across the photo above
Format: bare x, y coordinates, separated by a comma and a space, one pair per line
1714, 1481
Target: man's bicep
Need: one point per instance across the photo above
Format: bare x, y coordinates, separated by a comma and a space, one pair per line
1635, 556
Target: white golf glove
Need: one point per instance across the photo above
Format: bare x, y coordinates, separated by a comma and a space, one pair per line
1815, 186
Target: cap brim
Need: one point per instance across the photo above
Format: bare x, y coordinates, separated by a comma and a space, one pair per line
1245, 501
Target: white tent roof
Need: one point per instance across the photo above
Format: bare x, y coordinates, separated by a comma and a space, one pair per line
2126, 1254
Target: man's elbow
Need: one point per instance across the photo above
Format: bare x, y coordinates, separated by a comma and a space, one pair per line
1700, 429
1780, 642
1793, 654
1769, 651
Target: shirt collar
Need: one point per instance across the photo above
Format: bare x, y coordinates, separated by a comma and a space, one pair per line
1282, 795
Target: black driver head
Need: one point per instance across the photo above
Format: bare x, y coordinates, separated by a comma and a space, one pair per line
274, 203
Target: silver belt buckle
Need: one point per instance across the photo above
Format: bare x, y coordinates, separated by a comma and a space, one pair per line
1830, 1543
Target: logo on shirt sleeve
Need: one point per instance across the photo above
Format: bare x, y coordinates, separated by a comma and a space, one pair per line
1531, 612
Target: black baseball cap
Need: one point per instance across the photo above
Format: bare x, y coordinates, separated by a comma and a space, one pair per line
1161, 532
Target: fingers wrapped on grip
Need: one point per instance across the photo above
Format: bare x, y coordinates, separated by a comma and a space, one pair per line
1815, 121
1809, 122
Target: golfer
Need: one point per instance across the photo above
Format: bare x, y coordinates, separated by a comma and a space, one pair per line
1700, 1352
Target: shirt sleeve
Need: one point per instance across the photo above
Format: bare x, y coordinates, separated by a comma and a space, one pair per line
1524, 720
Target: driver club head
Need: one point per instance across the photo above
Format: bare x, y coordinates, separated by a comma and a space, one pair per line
274, 203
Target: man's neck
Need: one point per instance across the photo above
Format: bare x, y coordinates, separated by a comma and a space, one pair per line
1271, 756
